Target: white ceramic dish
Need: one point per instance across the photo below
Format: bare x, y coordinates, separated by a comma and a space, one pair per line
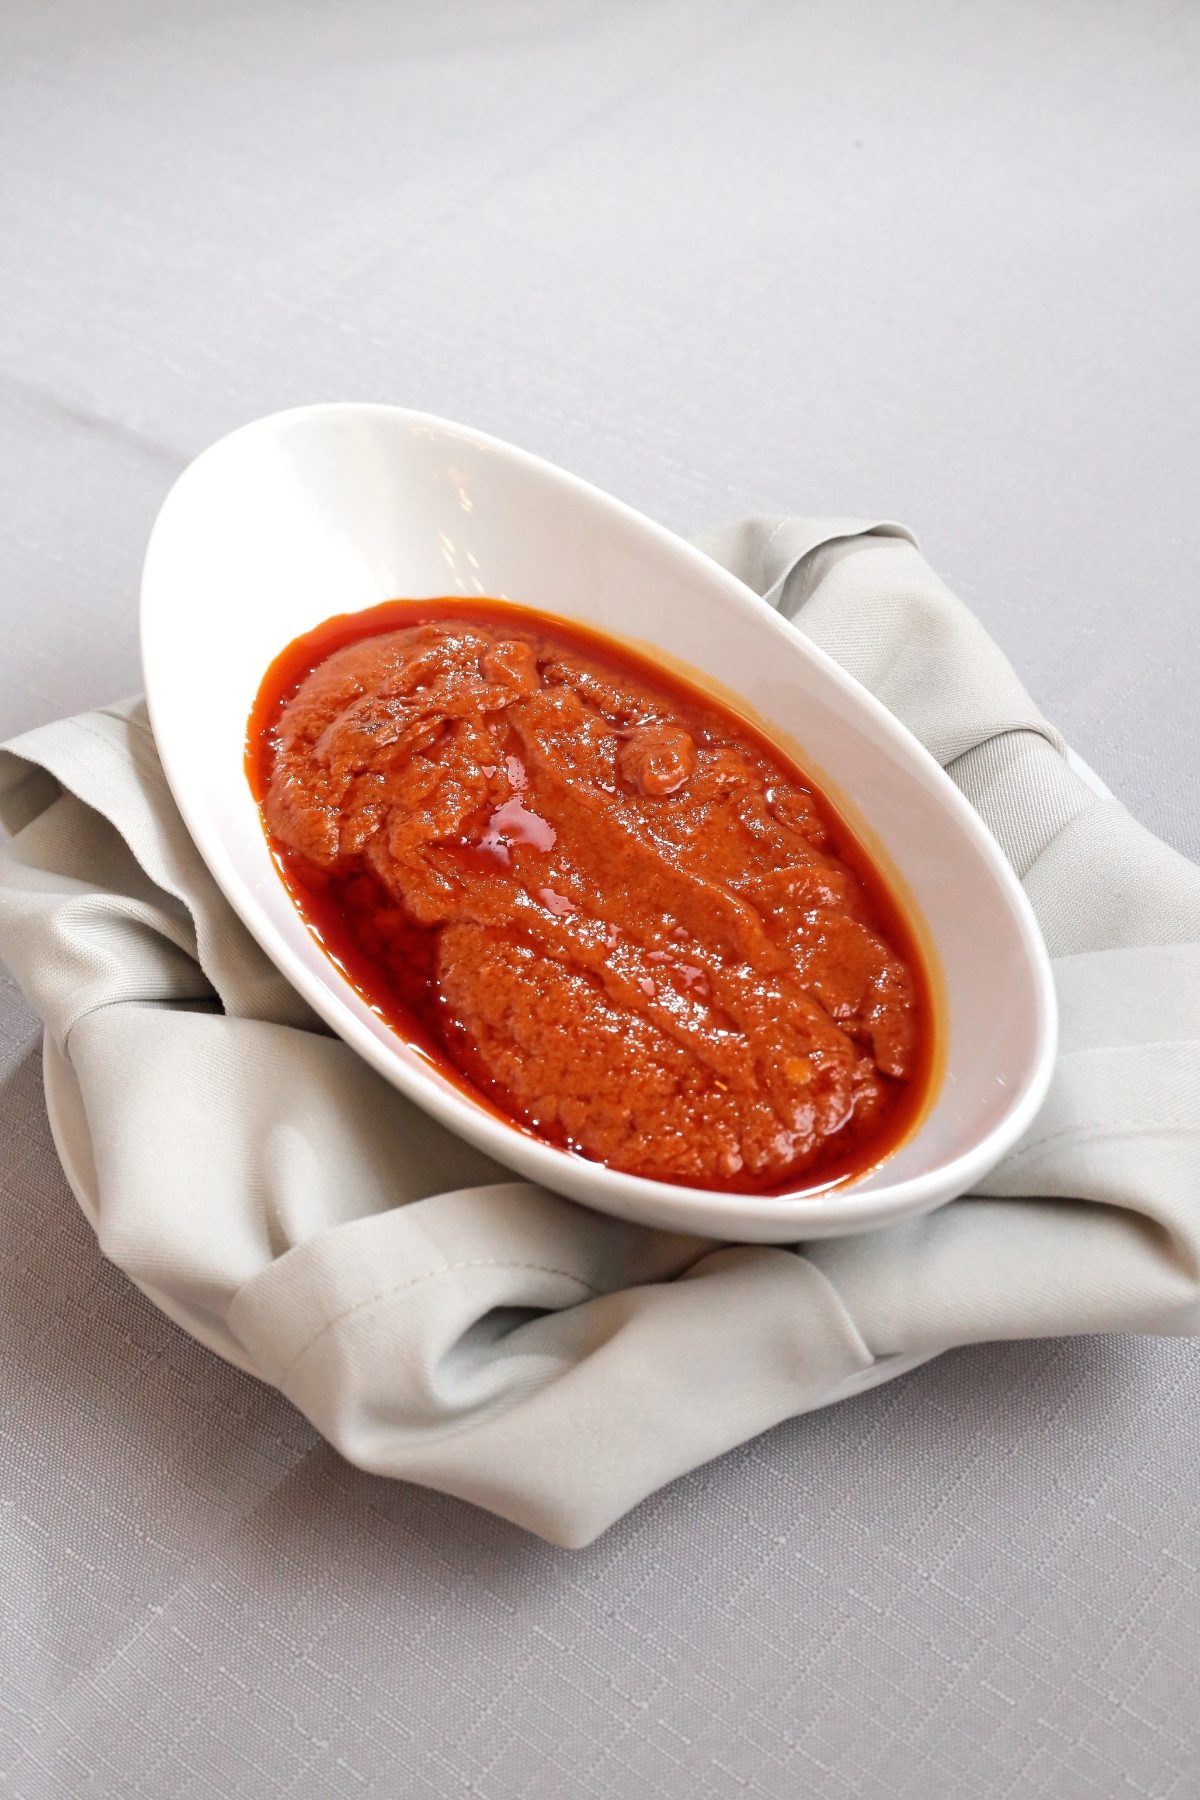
330, 509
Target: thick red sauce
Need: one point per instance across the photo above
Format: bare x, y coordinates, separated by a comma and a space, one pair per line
602, 903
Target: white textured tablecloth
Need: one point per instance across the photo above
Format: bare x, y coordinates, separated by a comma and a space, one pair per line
932, 262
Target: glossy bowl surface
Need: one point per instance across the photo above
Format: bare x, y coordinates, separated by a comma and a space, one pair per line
330, 509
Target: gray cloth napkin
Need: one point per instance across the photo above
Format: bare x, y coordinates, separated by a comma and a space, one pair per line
443, 1322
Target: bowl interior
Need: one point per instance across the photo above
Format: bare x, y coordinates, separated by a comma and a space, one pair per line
333, 509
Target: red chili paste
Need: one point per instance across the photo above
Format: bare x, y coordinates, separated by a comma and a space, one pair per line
603, 903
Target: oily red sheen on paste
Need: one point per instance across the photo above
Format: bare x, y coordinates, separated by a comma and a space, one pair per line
597, 899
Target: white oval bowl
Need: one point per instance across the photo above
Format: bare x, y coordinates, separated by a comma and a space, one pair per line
331, 509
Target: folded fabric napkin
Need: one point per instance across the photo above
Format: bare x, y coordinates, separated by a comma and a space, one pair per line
443, 1322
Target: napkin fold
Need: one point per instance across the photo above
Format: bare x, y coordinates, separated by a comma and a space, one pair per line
442, 1322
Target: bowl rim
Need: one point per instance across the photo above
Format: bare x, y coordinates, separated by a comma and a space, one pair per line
840, 1208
